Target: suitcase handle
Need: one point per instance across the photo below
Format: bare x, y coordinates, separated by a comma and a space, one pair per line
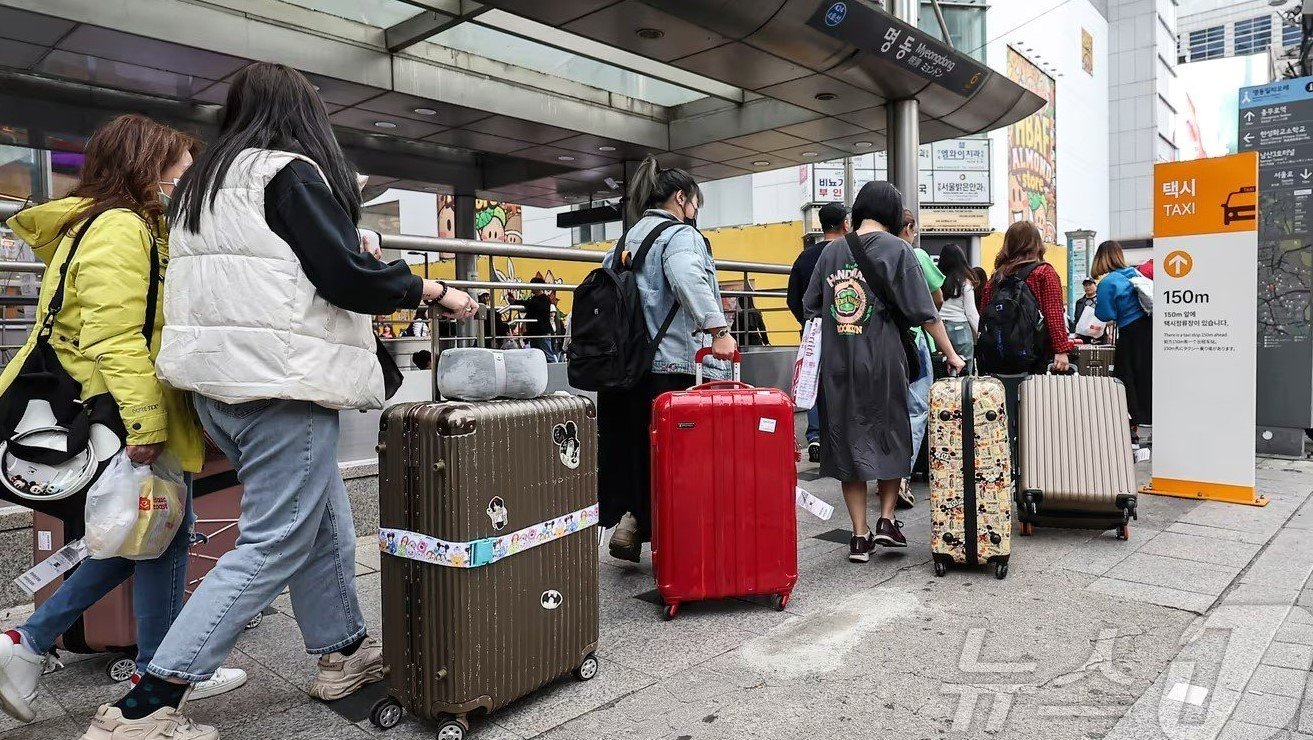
720, 384
703, 354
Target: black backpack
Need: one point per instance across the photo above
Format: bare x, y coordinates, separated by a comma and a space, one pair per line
1013, 337
610, 348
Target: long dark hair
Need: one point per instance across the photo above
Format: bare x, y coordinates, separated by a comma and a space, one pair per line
1022, 244
652, 185
270, 106
953, 263
880, 202
125, 159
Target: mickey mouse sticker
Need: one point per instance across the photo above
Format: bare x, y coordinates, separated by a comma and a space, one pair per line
497, 513
566, 437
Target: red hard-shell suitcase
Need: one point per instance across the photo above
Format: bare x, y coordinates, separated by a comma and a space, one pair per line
723, 493
108, 626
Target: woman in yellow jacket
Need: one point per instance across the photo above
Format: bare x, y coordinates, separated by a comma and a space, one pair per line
131, 166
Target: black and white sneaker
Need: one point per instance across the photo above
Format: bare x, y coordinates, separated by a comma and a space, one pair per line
814, 452
889, 533
859, 547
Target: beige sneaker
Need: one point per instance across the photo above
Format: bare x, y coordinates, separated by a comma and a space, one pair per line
625, 544
165, 723
340, 675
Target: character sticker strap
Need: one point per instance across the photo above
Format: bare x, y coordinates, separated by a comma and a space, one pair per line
414, 546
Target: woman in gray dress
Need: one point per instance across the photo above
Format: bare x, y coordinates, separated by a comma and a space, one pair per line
863, 387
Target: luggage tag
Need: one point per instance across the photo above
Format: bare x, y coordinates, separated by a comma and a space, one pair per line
45, 572
817, 507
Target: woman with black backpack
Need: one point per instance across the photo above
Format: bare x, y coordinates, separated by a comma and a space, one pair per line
1023, 325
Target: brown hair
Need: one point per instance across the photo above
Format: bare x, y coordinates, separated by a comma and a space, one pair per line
909, 221
1108, 257
125, 159
1021, 244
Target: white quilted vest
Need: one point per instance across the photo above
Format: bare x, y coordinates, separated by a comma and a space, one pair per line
242, 321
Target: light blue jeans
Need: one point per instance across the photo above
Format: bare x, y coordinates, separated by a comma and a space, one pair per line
918, 399
296, 532
157, 593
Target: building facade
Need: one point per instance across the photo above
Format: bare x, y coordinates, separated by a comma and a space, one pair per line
1213, 29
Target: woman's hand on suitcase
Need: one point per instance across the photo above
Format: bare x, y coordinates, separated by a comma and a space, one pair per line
724, 346
1061, 363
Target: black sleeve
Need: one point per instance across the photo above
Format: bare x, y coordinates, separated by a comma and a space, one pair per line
796, 290
301, 210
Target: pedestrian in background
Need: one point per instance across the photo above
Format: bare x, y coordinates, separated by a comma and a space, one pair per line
116, 216
1089, 285
982, 277
834, 224
1118, 303
538, 310
918, 393
1023, 254
268, 304
958, 312
678, 268
864, 364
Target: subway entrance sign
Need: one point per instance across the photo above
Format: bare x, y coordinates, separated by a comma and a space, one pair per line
1205, 329
1276, 121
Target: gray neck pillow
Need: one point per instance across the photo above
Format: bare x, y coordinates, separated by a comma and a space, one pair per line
477, 374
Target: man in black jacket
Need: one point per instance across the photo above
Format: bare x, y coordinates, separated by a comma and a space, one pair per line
835, 222
1084, 302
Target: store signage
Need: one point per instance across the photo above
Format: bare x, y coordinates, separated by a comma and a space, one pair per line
953, 172
904, 46
1205, 329
955, 221
1276, 121
1080, 248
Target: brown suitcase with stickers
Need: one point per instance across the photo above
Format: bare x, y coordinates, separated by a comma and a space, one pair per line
970, 474
487, 522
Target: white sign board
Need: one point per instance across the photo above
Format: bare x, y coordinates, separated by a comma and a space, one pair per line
960, 187
1205, 328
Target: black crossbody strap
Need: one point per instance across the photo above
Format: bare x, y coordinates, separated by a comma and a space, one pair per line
867, 268
57, 299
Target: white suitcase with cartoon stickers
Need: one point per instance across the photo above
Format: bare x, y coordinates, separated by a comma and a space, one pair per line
487, 515
970, 474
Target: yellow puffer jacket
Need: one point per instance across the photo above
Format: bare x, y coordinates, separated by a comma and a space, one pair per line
98, 334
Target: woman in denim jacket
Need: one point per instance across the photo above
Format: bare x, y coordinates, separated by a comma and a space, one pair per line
678, 268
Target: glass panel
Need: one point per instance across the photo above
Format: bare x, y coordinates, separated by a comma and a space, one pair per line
510, 49
380, 13
1291, 36
966, 26
1253, 35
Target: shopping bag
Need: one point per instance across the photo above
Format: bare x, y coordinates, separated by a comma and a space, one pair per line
134, 511
1089, 325
807, 366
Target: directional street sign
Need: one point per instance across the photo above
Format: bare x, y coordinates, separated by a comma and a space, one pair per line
1276, 120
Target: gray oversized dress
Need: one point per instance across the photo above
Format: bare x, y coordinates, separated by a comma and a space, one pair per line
865, 431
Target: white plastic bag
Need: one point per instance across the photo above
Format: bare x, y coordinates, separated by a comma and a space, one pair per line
134, 511
1089, 325
807, 367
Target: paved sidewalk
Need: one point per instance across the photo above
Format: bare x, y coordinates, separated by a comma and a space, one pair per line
1198, 627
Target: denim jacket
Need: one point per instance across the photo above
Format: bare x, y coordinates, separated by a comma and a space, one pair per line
687, 273
1117, 299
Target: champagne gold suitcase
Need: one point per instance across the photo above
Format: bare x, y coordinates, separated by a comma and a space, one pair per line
487, 522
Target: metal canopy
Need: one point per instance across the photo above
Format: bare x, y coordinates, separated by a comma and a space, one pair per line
768, 89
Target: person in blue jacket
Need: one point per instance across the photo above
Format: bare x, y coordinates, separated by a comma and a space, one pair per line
1117, 302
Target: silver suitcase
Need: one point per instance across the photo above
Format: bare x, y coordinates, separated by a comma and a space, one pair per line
1077, 468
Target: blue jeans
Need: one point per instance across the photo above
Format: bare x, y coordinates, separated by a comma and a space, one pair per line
157, 593
296, 532
545, 346
918, 399
814, 423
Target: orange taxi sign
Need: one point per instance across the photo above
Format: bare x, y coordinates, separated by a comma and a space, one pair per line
1206, 196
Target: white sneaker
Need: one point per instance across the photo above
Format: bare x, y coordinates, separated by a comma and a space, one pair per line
341, 675
20, 670
165, 723
223, 681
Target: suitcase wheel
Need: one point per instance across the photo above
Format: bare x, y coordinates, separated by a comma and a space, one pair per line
1025, 529
452, 729
780, 601
587, 670
386, 713
121, 669
1124, 532
669, 612
941, 568
1000, 570
255, 621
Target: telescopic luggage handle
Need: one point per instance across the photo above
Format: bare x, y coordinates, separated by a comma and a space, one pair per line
705, 352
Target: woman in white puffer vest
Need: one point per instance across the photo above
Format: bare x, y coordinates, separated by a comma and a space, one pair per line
268, 307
